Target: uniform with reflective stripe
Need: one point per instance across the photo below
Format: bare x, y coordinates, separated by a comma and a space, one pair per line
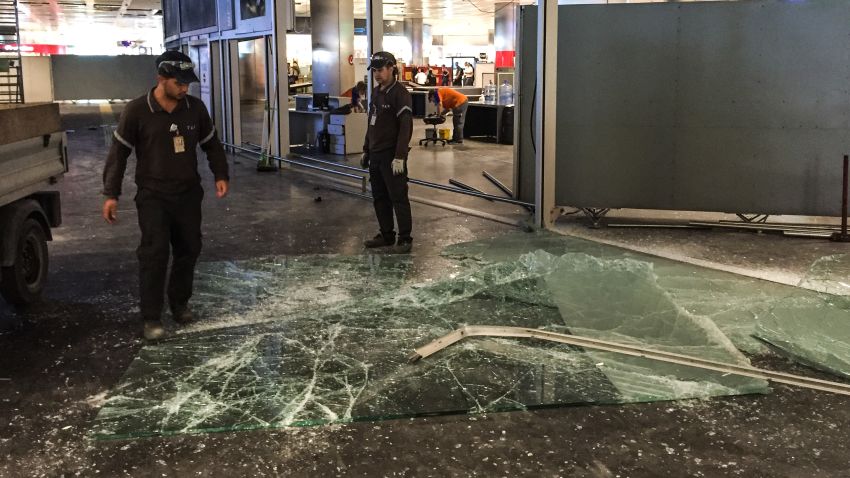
146, 128
390, 121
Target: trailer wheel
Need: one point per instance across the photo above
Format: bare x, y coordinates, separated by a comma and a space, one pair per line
22, 282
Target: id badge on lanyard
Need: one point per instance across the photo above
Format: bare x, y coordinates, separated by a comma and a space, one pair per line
179, 142
373, 114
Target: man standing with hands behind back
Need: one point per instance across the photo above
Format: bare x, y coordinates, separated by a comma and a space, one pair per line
165, 127
385, 154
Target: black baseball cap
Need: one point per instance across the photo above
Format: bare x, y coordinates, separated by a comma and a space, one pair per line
174, 64
381, 59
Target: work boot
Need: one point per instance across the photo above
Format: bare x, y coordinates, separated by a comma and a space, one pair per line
182, 315
378, 241
403, 247
153, 330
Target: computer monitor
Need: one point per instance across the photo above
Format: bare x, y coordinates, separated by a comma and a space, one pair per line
320, 101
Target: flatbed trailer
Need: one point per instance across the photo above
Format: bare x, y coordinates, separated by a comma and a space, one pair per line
33, 158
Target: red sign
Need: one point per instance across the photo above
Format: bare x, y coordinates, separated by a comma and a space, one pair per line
35, 49
505, 58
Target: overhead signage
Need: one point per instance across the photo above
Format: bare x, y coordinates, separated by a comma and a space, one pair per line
35, 49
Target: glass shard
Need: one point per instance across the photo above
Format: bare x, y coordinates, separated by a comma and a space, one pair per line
794, 320
829, 274
322, 339
812, 330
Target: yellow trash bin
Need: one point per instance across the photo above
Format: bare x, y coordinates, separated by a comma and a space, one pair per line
445, 133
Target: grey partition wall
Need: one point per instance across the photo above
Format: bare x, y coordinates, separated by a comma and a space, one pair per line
102, 77
524, 85
717, 106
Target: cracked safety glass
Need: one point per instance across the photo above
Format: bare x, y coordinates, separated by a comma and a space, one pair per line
297, 341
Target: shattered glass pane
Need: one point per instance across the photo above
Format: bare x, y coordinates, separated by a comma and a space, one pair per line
619, 300
733, 302
812, 330
272, 289
830, 274
323, 339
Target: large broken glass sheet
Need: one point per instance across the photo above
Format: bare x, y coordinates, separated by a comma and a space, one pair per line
829, 274
809, 327
812, 330
733, 302
248, 378
619, 300
309, 363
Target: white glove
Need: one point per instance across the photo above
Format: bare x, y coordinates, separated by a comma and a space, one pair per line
398, 167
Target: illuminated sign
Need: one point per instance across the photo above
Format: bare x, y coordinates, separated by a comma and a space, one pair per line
36, 49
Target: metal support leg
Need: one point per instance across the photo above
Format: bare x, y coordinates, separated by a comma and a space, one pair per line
753, 218
595, 214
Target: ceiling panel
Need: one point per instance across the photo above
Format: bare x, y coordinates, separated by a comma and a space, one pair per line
51, 15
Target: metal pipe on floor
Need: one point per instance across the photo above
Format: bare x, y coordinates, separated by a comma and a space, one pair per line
498, 184
428, 184
653, 226
470, 193
630, 350
442, 205
758, 227
461, 185
298, 163
362, 171
818, 227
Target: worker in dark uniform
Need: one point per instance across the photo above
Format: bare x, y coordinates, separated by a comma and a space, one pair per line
165, 127
385, 154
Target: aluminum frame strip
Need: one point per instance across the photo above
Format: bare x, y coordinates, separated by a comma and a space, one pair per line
595, 344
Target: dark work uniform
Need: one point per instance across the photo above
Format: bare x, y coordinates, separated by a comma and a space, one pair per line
169, 191
388, 138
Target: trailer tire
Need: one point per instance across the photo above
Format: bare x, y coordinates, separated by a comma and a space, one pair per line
22, 282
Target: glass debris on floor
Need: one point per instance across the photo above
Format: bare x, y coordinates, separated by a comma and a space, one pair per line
270, 289
294, 341
811, 330
829, 274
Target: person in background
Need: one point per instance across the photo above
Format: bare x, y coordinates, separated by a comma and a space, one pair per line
421, 78
165, 127
450, 99
468, 74
294, 72
444, 76
458, 78
385, 152
431, 79
358, 99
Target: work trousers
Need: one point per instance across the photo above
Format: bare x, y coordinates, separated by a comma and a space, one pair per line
458, 118
171, 228
390, 194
